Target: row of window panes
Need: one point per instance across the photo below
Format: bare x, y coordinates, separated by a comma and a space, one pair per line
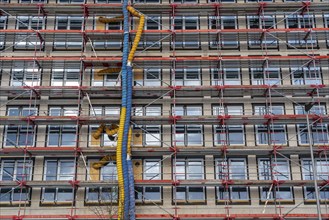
144, 1
31, 76
153, 22
184, 169
183, 135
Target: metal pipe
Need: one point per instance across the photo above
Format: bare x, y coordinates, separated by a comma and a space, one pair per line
310, 141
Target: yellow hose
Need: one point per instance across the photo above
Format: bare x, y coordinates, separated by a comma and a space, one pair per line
139, 32
98, 132
112, 130
119, 163
129, 142
108, 71
104, 161
110, 20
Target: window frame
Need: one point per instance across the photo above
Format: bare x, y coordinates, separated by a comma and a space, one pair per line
221, 193
187, 130
66, 41
3, 26
225, 80
188, 189
305, 72
18, 130
261, 130
103, 191
62, 129
181, 40
269, 176
307, 174
61, 77
316, 129
228, 110
184, 79
58, 190
263, 80
143, 190
107, 110
148, 131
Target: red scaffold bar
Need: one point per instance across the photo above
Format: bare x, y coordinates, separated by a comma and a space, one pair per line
168, 216
242, 30
177, 58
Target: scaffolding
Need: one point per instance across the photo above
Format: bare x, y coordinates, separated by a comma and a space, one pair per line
262, 49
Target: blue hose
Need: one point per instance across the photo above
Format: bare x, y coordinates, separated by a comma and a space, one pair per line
124, 103
131, 190
131, 174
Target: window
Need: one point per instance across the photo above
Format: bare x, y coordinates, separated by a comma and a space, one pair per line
223, 22
319, 131
147, 135
62, 135
103, 195
115, 42
68, 41
187, 135
104, 139
184, 1
25, 74
111, 79
322, 170
274, 169
151, 171
231, 169
147, 1
300, 21
147, 77
107, 1
65, 77
189, 169
262, 22
302, 40
225, 76
20, 135
271, 133
265, 76
326, 25
26, 40
3, 26
228, 134
223, 1
149, 40
15, 170
186, 77
71, 1
57, 170
259, 0
182, 40
260, 40
33, 1
306, 76
223, 40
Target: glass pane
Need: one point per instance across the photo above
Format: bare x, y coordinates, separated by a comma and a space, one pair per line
68, 139
92, 194
65, 195
49, 195
196, 193
152, 193
66, 170
181, 193
8, 171
5, 194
